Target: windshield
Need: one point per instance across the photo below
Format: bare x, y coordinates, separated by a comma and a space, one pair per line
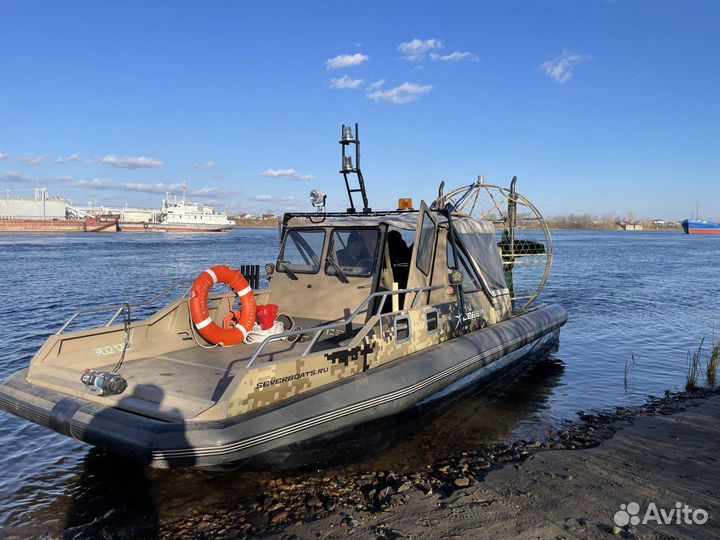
354, 250
301, 251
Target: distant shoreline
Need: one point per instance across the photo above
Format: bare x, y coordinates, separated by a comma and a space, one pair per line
678, 230
271, 224
259, 223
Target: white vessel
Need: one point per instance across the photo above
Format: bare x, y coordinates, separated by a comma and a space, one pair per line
176, 215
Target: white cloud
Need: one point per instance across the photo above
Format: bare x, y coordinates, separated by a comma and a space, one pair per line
346, 60
287, 173
32, 159
456, 56
377, 84
101, 183
158, 187
264, 197
400, 95
68, 159
345, 83
417, 49
13, 176
561, 68
130, 162
208, 192
4, 155
205, 166
97, 183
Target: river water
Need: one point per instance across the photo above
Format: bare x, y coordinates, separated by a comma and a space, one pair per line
643, 295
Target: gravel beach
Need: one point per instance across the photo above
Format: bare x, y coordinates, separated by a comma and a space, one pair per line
663, 458
569, 485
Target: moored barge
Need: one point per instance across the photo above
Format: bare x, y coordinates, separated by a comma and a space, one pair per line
700, 226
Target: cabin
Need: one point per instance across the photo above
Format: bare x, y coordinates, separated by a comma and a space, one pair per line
327, 268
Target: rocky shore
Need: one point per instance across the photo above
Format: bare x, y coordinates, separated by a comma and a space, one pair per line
362, 503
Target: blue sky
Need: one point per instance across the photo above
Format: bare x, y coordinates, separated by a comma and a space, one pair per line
597, 106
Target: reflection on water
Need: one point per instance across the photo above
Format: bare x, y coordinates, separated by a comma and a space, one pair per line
653, 295
509, 408
112, 494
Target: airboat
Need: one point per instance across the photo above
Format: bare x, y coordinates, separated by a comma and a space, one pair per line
364, 315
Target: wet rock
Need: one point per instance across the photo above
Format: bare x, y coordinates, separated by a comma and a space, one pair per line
349, 521
279, 518
425, 486
406, 486
462, 482
257, 519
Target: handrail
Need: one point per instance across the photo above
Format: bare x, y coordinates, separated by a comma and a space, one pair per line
119, 309
318, 331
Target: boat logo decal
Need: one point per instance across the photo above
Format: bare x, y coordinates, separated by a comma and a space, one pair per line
111, 349
294, 377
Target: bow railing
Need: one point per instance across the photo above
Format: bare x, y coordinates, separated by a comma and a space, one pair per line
118, 309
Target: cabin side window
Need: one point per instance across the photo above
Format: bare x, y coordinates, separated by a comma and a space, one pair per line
354, 250
470, 280
431, 321
302, 251
425, 245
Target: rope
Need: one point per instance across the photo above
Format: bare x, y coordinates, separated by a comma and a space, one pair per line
257, 334
126, 344
192, 331
293, 327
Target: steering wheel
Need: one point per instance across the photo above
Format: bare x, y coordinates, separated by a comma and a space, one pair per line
365, 263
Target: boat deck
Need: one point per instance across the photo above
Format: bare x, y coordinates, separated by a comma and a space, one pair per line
199, 372
184, 383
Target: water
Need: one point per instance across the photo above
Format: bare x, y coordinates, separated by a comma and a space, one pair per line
650, 295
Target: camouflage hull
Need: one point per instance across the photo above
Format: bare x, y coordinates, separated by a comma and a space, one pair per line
273, 433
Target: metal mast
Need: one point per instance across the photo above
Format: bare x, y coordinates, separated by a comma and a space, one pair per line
347, 138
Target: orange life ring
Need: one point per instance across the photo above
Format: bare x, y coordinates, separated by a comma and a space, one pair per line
201, 315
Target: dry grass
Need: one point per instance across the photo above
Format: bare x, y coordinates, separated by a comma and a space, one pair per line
712, 365
693, 367
629, 364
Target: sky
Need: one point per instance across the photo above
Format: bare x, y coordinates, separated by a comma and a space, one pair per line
603, 107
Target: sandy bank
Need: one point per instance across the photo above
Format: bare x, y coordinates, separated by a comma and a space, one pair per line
660, 459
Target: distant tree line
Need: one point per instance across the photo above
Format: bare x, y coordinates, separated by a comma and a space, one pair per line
605, 222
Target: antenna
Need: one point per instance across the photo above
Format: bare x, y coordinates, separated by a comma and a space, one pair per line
347, 138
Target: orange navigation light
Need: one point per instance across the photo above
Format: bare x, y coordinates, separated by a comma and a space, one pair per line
405, 204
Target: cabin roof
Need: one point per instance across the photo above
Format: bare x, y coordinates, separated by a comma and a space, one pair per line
400, 220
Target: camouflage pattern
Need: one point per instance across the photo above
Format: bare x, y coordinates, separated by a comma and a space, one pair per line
268, 383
